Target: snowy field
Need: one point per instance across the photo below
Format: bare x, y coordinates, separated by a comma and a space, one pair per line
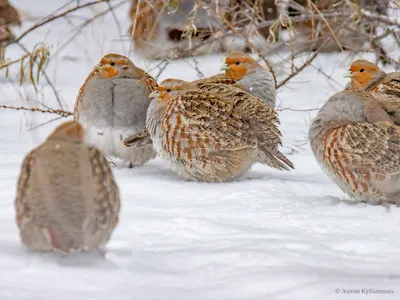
272, 235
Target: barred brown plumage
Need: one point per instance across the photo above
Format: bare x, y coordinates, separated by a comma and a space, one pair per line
211, 132
356, 143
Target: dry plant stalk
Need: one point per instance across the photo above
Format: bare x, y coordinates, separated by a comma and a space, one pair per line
60, 112
31, 65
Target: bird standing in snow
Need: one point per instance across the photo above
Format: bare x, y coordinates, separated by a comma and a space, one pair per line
385, 87
67, 199
357, 144
206, 137
112, 104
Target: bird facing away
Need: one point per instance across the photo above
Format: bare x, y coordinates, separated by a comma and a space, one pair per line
206, 137
67, 199
385, 87
112, 105
250, 76
357, 145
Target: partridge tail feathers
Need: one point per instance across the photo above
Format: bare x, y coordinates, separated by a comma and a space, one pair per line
275, 160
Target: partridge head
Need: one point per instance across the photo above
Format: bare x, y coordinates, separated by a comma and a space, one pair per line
364, 75
238, 64
250, 76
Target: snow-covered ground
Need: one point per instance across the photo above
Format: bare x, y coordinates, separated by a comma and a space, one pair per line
272, 235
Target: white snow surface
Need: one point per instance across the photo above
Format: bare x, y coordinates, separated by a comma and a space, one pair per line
271, 235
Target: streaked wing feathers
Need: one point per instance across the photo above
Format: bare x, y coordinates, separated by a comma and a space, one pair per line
107, 201
374, 149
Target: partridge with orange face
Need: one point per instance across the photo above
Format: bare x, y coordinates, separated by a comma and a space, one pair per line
385, 87
206, 137
112, 105
357, 145
67, 199
249, 75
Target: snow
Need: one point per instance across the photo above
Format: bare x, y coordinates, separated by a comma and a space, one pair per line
271, 235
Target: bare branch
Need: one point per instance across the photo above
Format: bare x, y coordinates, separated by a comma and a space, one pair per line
62, 113
299, 69
52, 18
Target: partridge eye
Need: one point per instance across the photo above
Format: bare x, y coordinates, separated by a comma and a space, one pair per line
361, 70
168, 90
238, 63
124, 68
113, 64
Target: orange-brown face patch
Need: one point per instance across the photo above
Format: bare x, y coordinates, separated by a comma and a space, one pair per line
107, 72
236, 72
363, 74
164, 96
105, 61
233, 60
237, 67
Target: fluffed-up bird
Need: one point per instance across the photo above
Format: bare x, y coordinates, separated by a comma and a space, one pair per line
209, 137
67, 198
357, 144
112, 105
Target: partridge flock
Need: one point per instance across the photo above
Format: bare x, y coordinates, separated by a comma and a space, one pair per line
209, 130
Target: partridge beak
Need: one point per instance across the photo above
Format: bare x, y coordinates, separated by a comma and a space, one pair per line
224, 67
154, 94
348, 74
106, 71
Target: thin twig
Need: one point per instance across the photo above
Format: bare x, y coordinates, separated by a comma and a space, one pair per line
45, 123
117, 23
161, 69
196, 67
62, 113
302, 67
327, 24
55, 17
86, 23
29, 54
329, 77
58, 98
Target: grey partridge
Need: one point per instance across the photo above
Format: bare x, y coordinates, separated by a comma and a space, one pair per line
67, 198
112, 105
206, 137
357, 144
